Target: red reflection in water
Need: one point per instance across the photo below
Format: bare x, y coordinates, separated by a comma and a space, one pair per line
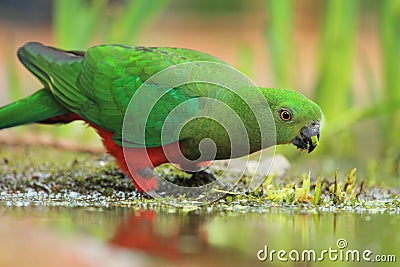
139, 232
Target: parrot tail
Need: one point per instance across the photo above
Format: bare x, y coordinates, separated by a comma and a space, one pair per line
38, 58
38, 107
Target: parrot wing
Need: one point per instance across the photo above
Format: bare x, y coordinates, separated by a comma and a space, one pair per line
99, 84
112, 74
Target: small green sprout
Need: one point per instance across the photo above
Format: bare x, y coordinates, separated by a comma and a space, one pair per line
317, 192
314, 140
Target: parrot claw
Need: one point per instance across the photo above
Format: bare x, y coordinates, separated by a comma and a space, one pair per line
146, 173
203, 176
145, 179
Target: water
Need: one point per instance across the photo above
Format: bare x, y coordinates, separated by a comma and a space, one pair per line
117, 236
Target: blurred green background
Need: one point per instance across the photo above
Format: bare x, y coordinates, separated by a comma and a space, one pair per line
344, 54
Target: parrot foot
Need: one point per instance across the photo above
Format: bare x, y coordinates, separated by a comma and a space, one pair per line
144, 179
203, 176
146, 173
197, 179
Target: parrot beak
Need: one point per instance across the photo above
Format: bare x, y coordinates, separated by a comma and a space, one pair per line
308, 138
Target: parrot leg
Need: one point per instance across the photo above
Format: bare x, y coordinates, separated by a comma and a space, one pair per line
203, 176
198, 172
193, 167
134, 162
138, 163
139, 170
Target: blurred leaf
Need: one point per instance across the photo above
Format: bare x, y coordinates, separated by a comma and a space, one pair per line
355, 115
246, 60
14, 85
279, 34
333, 90
132, 18
389, 21
75, 22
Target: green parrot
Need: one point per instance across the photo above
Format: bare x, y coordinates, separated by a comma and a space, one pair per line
100, 86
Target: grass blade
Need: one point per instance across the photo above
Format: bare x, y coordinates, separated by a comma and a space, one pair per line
333, 91
279, 34
75, 22
389, 21
131, 20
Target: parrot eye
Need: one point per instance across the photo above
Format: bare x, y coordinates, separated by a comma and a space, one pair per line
285, 114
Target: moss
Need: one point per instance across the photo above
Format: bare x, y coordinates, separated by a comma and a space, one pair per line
48, 176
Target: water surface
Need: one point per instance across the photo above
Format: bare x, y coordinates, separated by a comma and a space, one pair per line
173, 237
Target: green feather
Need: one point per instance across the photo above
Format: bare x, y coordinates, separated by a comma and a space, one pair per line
39, 106
99, 84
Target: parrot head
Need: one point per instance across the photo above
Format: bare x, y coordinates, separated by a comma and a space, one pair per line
297, 118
